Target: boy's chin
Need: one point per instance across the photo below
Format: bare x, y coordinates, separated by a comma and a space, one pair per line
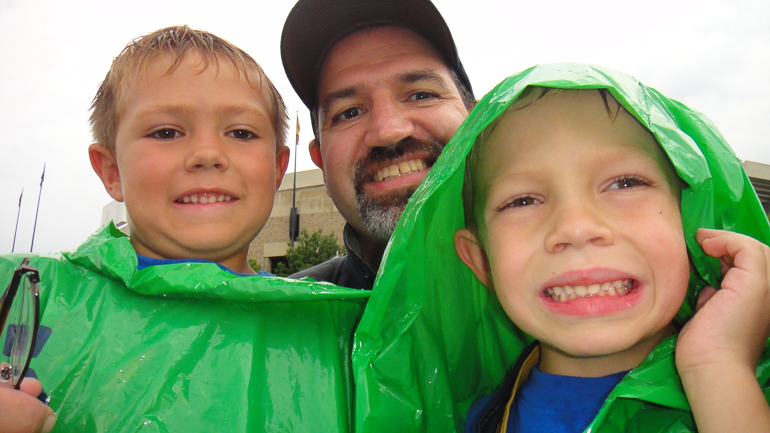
596, 356
227, 252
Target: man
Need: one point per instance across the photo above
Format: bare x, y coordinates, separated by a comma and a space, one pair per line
386, 91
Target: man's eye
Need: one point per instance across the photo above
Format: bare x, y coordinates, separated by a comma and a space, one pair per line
627, 182
242, 134
166, 134
421, 96
348, 113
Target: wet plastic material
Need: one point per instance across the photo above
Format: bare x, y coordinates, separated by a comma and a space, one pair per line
190, 347
432, 339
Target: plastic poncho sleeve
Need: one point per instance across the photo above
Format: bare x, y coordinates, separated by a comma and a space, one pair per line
432, 339
190, 347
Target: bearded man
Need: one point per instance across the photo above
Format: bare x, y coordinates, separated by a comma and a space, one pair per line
386, 91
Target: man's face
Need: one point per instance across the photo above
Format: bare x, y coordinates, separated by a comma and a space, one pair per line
387, 107
197, 163
582, 232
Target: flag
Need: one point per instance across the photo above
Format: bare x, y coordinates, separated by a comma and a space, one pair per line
297, 128
42, 178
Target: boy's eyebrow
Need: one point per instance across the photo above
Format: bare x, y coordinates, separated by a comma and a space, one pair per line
408, 77
185, 109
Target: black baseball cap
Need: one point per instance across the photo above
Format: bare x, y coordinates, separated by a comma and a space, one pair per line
314, 26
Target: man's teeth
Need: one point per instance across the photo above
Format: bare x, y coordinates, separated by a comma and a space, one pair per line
204, 198
397, 170
613, 288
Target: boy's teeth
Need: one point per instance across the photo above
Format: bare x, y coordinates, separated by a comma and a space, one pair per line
397, 170
610, 288
205, 198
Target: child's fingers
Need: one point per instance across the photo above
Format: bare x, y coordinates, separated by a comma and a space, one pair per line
704, 295
31, 386
22, 413
736, 250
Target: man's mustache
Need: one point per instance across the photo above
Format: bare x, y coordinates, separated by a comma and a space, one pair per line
378, 155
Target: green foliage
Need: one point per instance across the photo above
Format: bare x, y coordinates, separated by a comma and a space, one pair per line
254, 265
309, 250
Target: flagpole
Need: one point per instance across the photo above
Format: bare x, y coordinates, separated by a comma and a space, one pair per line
42, 178
293, 216
13, 247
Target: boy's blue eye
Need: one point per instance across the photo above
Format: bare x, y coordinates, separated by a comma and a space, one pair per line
242, 134
627, 182
524, 201
166, 134
520, 202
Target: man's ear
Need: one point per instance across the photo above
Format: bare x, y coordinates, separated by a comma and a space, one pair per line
106, 167
315, 153
281, 164
473, 255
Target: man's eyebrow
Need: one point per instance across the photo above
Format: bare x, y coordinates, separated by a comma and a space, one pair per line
422, 75
343, 93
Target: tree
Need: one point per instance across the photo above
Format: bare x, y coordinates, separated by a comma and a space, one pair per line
254, 265
309, 250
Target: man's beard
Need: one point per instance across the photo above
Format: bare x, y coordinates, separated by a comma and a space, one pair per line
380, 214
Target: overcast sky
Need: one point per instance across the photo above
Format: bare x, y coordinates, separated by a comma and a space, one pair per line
713, 55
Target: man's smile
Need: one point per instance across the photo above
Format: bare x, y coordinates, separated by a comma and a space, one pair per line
395, 171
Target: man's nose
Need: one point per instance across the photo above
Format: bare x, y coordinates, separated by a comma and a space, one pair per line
388, 123
207, 152
577, 223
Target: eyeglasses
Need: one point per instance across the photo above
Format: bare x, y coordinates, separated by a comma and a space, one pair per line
23, 310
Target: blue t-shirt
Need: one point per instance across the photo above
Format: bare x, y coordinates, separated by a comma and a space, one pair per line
145, 262
552, 403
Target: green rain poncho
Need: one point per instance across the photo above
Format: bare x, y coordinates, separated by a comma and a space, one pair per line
189, 347
432, 339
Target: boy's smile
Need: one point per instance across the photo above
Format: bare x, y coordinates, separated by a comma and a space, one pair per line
197, 163
581, 231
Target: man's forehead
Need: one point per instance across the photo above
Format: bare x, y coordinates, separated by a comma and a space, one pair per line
384, 52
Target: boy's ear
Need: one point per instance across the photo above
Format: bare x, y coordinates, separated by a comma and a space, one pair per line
281, 164
106, 167
315, 153
473, 255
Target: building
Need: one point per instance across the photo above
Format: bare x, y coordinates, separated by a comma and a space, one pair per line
759, 175
316, 211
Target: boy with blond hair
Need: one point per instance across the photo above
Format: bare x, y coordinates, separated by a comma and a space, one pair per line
169, 329
584, 240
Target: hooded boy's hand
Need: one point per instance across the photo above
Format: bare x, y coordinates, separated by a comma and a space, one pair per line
718, 349
732, 324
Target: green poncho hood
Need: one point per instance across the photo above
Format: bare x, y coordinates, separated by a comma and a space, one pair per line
432, 339
189, 347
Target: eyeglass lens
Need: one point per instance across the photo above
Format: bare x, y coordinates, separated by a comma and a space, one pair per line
22, 315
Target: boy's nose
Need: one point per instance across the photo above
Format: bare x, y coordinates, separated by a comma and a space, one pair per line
207, 153
387, 124
577, 225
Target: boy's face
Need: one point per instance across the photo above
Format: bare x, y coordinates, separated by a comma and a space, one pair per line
196, 162
577, 204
